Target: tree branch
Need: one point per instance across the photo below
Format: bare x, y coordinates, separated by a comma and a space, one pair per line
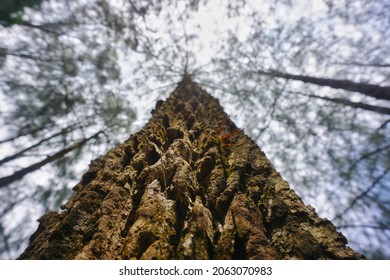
363, 194
357, 105
20, 153
4, 181
371, 90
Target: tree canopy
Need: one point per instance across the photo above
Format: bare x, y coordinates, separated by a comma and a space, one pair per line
309, 82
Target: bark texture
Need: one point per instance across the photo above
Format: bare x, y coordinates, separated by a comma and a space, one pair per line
189, 185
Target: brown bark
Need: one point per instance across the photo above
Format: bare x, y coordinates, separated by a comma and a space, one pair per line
189, 185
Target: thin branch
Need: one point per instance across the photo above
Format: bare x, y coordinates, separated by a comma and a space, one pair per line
365, 64
375, 91
22, 134
42, 27
363, 194
367, 155
20, 153
4, 181
346, 102
271, 111
383, 125
29, 56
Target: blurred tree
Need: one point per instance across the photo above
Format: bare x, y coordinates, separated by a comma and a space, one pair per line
375, 91
11, 11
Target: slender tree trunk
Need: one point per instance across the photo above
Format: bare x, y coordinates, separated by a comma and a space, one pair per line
189, 185
23, 132
375, 91
25, 150
17, 175
357, 105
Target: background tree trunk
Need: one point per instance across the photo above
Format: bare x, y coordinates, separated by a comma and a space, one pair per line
189, 185
17, 175
375, 91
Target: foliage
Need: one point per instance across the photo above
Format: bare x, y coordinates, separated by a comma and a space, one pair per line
11, 11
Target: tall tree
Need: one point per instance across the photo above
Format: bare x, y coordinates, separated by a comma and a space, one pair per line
375, 91
189, 185
21, 173
82, 64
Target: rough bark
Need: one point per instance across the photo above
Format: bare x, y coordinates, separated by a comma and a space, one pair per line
189, 185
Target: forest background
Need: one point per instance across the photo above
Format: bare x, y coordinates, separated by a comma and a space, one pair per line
307, 80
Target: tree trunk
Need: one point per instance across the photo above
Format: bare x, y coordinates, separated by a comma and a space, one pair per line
189, 185
356, 105
29, 148
375, 91
17, 175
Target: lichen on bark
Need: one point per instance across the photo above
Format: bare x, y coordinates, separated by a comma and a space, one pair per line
181, 189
